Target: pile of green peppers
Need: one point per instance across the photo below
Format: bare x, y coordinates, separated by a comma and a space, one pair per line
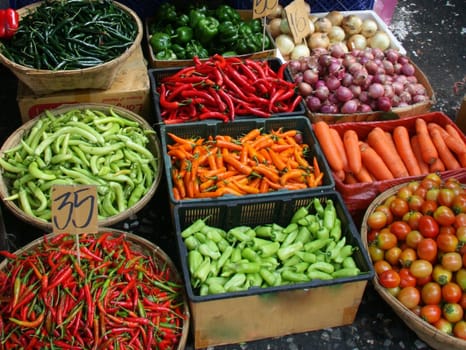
311, 247
199, 31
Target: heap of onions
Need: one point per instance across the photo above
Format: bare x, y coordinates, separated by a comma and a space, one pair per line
333, 81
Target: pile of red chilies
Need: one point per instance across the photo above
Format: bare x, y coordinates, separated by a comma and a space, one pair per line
225, 87
110, 297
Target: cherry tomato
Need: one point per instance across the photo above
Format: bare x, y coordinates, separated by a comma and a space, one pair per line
461, 234
460, 220
452, 261
404, 192
413, 238
432, 194
381, 266
386, 240
431, 293
453, 183
451, 292
384, 208
447, 242
415, 202
412, 218
460, 278
462, 301
459, 329
428, 207
444, 215
406, 278
459, 203
423, 280
430, 313
446, 196
399, 207
376, 253
444, 326
447, 230
392, 255
452, 312
431, 180
407, 256
389, 279
427, 249
409, 297
400, 229
428, 226
441, 275
421, 268
377, 220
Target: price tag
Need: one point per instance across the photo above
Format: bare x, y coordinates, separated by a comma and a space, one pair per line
298, 20
74, 209
262, 8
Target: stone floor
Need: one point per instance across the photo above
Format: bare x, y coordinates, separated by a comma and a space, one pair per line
433, 34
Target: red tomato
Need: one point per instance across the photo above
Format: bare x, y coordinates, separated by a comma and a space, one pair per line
389, 279
404, 192
459, 203
444, 215
386, 240
381, 266
392, 255
422, 281
431, 293
453, 312
377, 220
384, 208
406, 278
428, 207
431, 313
460, 220
407, 256
459, 329
413, 238
451, 292
428, 226
444, 326
412, 218
409, 297
415, 202
447, 230
400, 229
399, 207
462, 301
447, 242
431, 180
421, 268
452, 261
446, 196
427, 249
461, 234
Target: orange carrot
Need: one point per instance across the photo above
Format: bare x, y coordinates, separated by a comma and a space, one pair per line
322, 132
429, 152
403, 146
423, 166
379, 142
353, 153
340, 148
444, 152
374, 162
363, 175
340, 174
437, 166
454, 133
456, 139
456, 146
350, 179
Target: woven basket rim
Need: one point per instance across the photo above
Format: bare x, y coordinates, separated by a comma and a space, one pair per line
148, 246
115, 61
425, 331
16, 136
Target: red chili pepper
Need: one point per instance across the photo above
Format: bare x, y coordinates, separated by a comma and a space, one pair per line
9, 23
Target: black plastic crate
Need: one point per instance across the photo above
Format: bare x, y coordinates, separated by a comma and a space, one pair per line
302, 306
156, 74
237, 129
319, 5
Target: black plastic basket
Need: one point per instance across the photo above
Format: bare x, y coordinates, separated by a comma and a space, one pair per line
156, 74
237, 129
318, 5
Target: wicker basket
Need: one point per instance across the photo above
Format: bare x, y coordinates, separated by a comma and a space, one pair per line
154, 146
395, 113
425, 331
142, 245
42, 81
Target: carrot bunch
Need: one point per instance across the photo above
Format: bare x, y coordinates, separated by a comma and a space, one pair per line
385, 155
254, 163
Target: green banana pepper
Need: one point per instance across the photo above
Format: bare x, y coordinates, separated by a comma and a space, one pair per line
206, 29
160, 41
183, 35
226, 13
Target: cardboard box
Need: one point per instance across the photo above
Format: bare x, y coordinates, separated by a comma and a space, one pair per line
130, 90
267, 312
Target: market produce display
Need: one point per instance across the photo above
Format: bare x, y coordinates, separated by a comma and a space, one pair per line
197, 30
111, 293
89, 146
385, 155
226, 87
63, 35
361, 81
415, 237
257, 162
311, 247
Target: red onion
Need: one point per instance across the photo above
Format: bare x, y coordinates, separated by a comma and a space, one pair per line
343, 94
388, 67
364, 108
384, 103
294, 66
310, 76
380, 78
360, 78
298, 77
403, 59
419, 98
407, 69
364, 97
313, 103
333, 83
388, 90
378, 53
371, 67
356, 90
349, 107
337, 51
319, 83
348, 60
322, 92
392, 55
329, 109
411, 79
375, 90
347, 79
355, 67
416, 89
405, 96
305, 89
334, 67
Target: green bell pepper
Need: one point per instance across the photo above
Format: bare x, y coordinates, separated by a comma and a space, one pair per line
182, 20
227, 32
183, 35
165, 55
226, 13
166, 13
179, 51
195, 48
206, 29
255, 25
195, 15
160, 41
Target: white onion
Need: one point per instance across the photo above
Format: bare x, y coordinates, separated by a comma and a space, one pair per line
277, 12
323, 24
379, 40
356, 42
336, 34
274, 27
284, 26
285, 44
351, 24
318, 40
335, 17
300, 50
369, 27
